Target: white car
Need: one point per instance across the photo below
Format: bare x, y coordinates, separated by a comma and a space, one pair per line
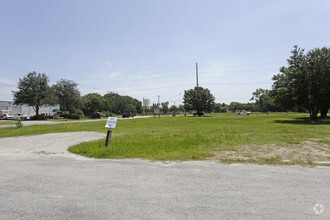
7, 116
243, 112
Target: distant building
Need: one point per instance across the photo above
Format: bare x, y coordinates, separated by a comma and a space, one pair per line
146, 103
25, 109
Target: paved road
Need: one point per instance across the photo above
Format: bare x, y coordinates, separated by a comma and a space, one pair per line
62, 186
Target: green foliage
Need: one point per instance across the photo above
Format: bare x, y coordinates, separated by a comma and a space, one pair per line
264, 100
235, 106
305, 82
38, 117
198, 99
68, 94
188, 138
110, 114
165, 107
119, 104
220, 108
79, 112
33, 90
75, 117
92, 102
19, 123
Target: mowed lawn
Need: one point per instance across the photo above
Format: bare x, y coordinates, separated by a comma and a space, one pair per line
274, 138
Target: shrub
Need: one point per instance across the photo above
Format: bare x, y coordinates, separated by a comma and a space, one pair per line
110, 114
38, 117
77, 117
19, 123
79, 112
95, 115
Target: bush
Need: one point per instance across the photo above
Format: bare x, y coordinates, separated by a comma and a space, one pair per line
19, 123
77, 117
79, 112
38, 117
95, 115
110, 114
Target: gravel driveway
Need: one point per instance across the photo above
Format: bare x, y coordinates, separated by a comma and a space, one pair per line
53, 143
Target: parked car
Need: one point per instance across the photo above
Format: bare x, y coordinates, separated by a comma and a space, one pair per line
243, 112
7, 116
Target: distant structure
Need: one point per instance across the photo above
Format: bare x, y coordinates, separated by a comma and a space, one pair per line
146, 103
25, 109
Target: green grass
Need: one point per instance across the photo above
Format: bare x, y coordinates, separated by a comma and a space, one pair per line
7, 123
258, 138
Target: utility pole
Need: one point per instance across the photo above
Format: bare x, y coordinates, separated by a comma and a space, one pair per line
144, 107
197, 74
158, 107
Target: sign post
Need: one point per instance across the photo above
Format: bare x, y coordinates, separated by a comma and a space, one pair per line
111, 123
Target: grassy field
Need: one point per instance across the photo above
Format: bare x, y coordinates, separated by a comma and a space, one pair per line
7, 123
281, 138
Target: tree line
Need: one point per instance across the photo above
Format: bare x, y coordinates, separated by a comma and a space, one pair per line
34, 90
303, 86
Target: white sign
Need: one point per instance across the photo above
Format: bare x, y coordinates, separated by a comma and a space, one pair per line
157, 111
111, 122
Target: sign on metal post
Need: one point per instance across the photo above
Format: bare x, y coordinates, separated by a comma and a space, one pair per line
111, 123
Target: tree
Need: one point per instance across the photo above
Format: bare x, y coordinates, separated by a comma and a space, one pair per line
34, 91
118, 104
68, 94
220, 107
92, 102
198, 99
165, 107
305, 82
263, 99
173, 108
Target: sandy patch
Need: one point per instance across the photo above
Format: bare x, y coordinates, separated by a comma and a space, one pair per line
49, 144
307, 151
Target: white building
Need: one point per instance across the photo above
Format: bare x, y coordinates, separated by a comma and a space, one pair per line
25, 109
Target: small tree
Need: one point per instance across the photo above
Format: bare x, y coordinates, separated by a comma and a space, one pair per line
198, 99
34, 91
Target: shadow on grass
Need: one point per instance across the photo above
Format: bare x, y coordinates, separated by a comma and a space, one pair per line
305, 121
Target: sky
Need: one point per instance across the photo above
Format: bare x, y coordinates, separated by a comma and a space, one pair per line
149, 48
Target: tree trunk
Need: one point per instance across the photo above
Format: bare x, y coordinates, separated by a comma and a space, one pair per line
313, 113
324, 113
37, 110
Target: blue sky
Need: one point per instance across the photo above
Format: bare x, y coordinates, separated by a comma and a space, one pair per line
146, 48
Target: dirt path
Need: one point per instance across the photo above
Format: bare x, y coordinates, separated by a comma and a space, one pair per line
54, 143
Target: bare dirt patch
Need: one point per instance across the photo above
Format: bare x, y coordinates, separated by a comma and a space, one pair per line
47, 144
311, 151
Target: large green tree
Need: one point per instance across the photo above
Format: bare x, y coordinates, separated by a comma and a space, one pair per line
92, 102
68, 94
119, 104
198, 99
305, 82
34, 91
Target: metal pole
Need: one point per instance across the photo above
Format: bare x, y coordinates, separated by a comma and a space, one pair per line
108, 139
197, 74
144, 110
